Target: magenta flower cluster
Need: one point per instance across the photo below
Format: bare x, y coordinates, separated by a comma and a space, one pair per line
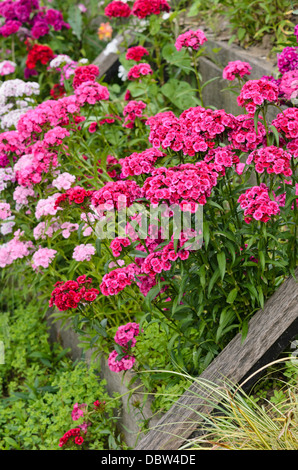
132, 111
139, 71
126, 338
140, 163
257, 92
272, 160
29, 15
288, 59
235, 69
187, 184
257, 204
191, 39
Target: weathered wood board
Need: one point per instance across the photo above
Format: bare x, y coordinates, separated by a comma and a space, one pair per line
270, 331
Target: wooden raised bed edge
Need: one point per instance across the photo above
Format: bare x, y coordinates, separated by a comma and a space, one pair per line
270, 331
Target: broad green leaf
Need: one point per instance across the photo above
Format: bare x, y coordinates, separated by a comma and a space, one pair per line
221, 259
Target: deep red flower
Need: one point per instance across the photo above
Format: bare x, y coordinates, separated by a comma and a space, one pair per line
117, 9
39, 53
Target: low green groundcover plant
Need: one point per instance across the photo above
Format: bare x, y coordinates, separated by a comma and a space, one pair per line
40, 386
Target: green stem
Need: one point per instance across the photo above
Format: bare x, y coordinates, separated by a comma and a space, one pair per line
198, 78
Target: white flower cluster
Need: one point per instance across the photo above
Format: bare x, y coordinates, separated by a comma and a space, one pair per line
112, 47
6, 174
18, 88
61, 59
122, 73
7, 225
15, 100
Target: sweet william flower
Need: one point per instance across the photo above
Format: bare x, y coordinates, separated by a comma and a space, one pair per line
136, 53
117, 9
236, 68
257, 204
191, 39
144, 8
91, 92
257, 92
126, 363
139, 70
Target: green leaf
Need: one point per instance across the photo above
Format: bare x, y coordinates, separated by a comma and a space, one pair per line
244, 330
232, 296
11, 442
213, 280
180, 93
98, 246
75, 20
221, 259
206, 234
276, 134
241, 33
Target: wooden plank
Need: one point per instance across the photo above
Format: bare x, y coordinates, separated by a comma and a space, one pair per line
107, 61
270, 331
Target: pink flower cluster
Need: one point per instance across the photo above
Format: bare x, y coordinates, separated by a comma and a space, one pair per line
257, 204
30, 168
11, 146
133, 110
34, 19
21, 194
125, 363
125, 337
222, 158
272, 160
139, 70
192, 39
194, 131
144, 8
118, 244
7, 67
115, 281
136, 53
287, 123
236, 68
14, 249
243, 136
91, 92
140, 163
184, 184
46, 206
127, 334
85, 73
83, 252
48, 114
117, 9
78, 411
116, 194
160, 261
43, 257
288, 59
292, 147
257, 92
63, 181
289, 85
